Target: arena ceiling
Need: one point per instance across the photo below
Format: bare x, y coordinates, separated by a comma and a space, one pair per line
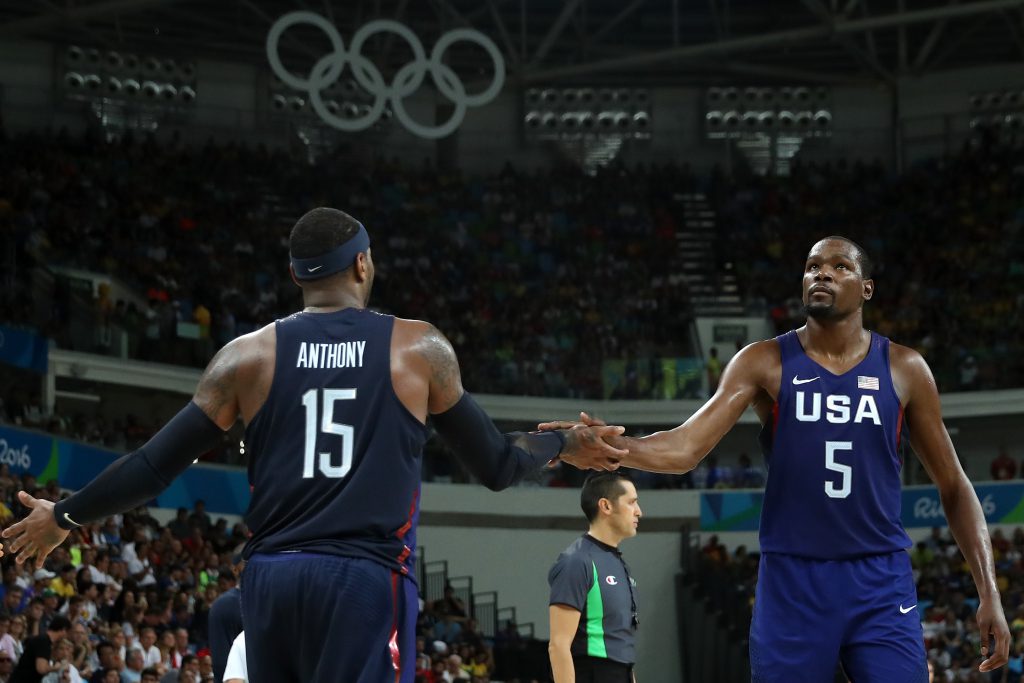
647, 42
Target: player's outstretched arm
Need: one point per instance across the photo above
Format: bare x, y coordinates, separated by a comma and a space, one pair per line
679, 450
141, 475
933, 446
497, 460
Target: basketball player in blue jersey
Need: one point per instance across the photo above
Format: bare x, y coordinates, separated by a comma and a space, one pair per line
335, 401
835, 581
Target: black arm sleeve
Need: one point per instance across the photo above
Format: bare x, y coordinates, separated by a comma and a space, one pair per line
497, 460
141, 475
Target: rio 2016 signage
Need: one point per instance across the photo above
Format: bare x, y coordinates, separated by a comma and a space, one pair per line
406, 80
1001, 503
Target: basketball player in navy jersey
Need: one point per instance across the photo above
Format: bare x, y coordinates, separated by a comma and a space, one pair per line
335, 401
835, 581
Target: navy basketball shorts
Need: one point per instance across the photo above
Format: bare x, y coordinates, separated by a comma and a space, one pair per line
313, 618
810, 614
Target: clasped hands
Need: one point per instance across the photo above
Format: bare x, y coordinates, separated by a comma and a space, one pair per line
590, 444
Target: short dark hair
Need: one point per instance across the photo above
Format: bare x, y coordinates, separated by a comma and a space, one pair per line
59, 623
601, 485
867, 266
321, 230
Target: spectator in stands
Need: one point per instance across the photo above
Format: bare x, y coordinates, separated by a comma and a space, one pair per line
715, 476
188, 672
133, 666
453, 670
451, 614
180, 526
747, 476
36, 660
199, 518
181, 644
1003, 466
7, 642
67, 672
107, 660
147, 643
83, 653
64, 584
99, 565
18, 632
715, 551
922, 556
6, 667
206, 669
12, 601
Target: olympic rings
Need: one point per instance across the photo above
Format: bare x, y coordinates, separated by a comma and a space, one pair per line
406, 81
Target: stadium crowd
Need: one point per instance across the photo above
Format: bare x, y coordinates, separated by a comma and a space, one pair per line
537, 277
136, 596
549, 247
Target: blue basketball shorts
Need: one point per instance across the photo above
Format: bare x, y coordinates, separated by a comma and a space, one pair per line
313, 618
810, 614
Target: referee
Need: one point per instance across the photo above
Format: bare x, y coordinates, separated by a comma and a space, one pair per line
593, 598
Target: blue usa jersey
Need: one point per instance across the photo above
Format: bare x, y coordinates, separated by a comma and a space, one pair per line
334, 455
832, 450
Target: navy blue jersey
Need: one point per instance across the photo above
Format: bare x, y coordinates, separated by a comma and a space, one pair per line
832, 450
334, 455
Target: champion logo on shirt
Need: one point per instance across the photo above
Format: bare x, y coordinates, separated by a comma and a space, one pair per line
611, 581
867, 382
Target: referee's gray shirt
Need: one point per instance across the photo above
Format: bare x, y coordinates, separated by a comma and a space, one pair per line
590, 576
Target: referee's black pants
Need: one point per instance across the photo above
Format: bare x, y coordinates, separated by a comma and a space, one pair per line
601, 670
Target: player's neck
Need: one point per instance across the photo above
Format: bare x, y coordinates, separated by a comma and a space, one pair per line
606, 536
331, 300
836, 338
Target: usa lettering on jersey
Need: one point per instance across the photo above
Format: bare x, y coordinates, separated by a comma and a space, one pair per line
329, 356
838, 408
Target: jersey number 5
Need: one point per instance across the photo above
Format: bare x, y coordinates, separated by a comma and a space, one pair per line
843, 490
327, 426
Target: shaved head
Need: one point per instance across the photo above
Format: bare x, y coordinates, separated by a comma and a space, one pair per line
863, 260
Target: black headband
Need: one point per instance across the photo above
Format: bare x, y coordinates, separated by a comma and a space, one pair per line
333, 261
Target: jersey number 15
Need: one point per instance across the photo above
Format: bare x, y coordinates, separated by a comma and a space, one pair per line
327, 426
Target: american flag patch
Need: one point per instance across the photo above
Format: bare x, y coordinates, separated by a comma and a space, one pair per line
867, 382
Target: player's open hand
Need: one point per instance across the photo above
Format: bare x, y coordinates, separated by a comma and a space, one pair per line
992, 625
35, 536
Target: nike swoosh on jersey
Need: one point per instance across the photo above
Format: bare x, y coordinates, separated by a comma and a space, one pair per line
904, 610
797, 380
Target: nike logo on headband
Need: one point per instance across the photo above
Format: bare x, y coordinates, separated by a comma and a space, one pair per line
313, 270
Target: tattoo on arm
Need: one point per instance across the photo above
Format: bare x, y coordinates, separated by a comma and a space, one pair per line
217, 394
445, 378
